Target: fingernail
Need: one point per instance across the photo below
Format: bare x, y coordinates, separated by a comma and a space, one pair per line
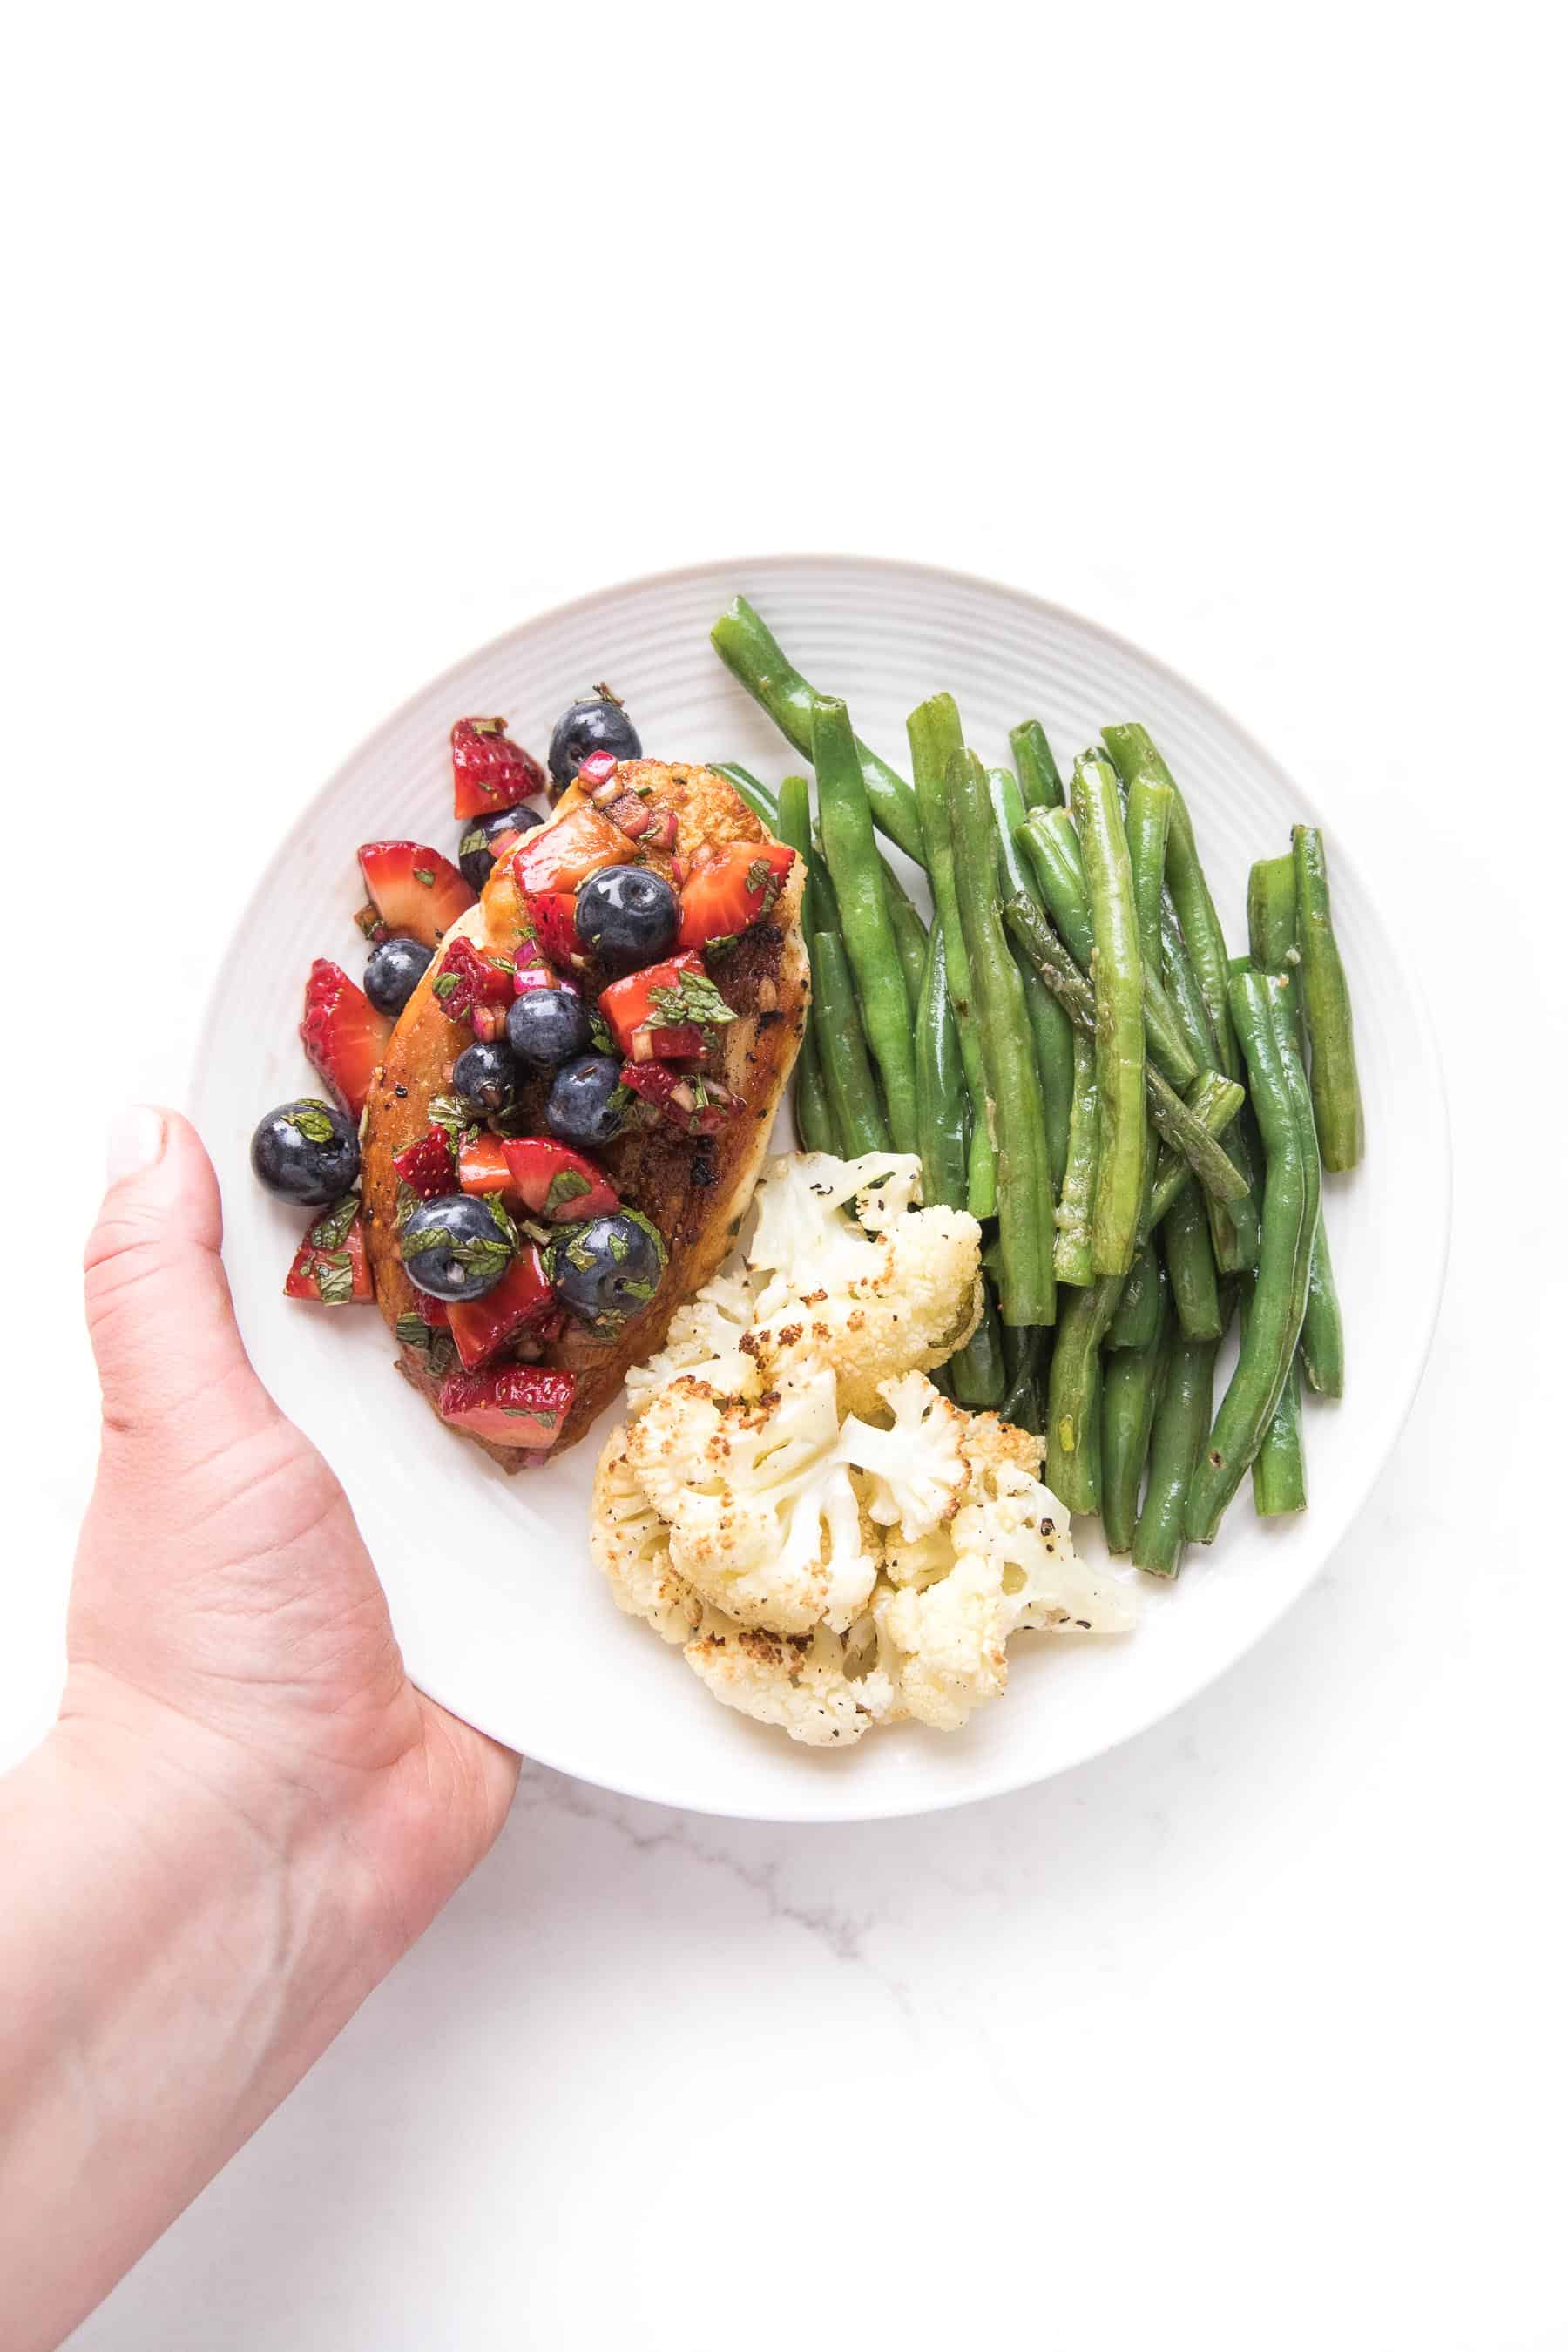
135, 1140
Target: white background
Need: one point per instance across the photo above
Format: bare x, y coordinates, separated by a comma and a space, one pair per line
340, 340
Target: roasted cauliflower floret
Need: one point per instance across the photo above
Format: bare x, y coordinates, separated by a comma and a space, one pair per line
763, 1515
703, 1338
897, 1292
824, 1689
631, 1544
915, 1472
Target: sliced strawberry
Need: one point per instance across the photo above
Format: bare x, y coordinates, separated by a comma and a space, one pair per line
668, 1005
489, 769
331, 1268
554, 914
345, 1035
482, 1165
415, 889
552, 1181
482, 1327
434, 1313
732, 891
465, 979
426, 1165
518, 1405
560, 855
696, 1105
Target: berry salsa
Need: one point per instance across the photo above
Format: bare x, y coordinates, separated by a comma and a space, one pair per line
593, 1001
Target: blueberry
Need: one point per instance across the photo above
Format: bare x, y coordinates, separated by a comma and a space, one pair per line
475, 861
306, 1152
628, 916
452, 1247
600, 724
546, 1027
486, 1074
607, 1270
393, 973
586, 1103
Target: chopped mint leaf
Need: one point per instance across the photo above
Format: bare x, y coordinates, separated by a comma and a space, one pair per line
638, 1289
425, 874
620, 1248
446, 985
414, 1331
313, 1120
473, 839
652, 1230
333, 1272
566, 1184
452, 1114
598, 1029
330, 1229
693, 997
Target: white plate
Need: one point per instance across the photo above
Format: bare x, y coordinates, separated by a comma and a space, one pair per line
501, 1614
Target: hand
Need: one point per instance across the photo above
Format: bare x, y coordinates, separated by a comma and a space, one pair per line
226, 1624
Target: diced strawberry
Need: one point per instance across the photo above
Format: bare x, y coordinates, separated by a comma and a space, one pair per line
559, 855
694, 1105
538, 1177
489, 769
669, 1005
343, 1034
466, 979
552, 1181
331, 1268
482, 1327
434, 1313
426, 1165
518, 1405
415, 889
554, 914
732, 891
482, 1165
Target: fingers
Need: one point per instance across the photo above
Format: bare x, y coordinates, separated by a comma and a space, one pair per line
158, 1309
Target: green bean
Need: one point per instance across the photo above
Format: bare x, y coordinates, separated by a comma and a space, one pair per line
1118, 974
979, 1375
1071, 1254
1336, 1088
910, 938
1279, 1465
1189, 1260
1137, 1315
812, 1111
1130, 1391
1271, 941
1171, 1116
857, 878
1181, 1425
1181, 986
851, 1088
1148, 830
1023, 1404
1214, 1106
756, 796
749, 650
1025, 1201
1040, 777
1072, 1407
1132, 754
934, 735
1053, 849
940, 1095
1289, 1212
1052, 1029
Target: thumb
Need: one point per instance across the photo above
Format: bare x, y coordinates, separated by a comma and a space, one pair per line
158, 1306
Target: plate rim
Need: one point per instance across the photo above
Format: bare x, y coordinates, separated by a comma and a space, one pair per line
1007, 1781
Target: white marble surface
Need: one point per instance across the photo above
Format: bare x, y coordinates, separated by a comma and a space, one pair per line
1251, 2033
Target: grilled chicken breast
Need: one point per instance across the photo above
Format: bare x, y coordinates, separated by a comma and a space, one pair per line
696, 1190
